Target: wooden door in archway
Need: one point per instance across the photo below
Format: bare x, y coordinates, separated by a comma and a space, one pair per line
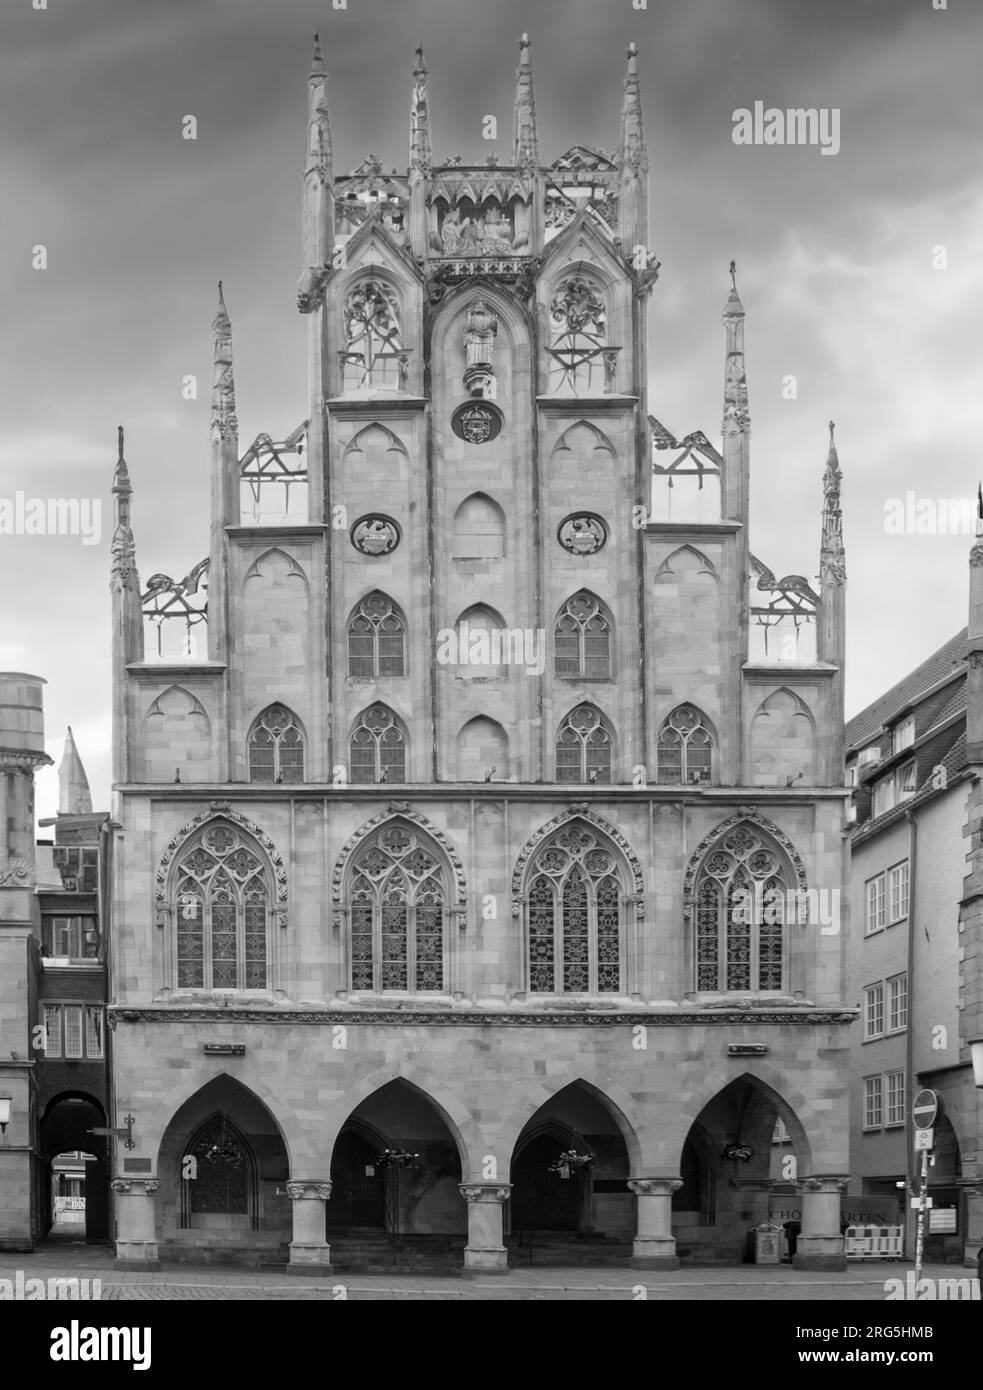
358, 1185
541, 1200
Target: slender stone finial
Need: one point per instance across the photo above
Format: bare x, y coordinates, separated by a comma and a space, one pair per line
526, 156
633, 153
317, 63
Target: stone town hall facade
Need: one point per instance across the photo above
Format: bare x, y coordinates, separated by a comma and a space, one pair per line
440, 782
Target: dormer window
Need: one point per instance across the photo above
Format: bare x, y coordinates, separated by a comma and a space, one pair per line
904, 734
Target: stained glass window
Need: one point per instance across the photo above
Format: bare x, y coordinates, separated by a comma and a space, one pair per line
582, 639
574, 916
685, 750
373, 342
742, 906
583, 747
376, 639
578, 338
396, 905
377, 748
276, 747
221, 912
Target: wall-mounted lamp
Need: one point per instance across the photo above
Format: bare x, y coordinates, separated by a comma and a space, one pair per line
975, 1052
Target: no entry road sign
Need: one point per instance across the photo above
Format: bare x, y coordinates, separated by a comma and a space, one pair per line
925, 1109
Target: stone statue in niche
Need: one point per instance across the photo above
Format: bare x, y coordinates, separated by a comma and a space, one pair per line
479, 349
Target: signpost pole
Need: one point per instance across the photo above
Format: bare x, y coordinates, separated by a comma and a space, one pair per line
920, 1227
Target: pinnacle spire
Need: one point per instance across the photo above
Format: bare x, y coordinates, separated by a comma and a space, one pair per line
736, 415
223, 383
633, 153
733, 308
526, 157
421, 142
74, 797
318, 123
317, 62
832, 537
122, 548
121, 474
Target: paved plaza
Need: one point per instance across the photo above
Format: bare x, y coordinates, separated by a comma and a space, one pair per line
862, 1282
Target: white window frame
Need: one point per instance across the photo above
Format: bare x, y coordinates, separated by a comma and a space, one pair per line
903, 734
72, 1031
52, 1030
897, 874
94, 1031
874, 1011
897, 1004
873, 1102
894, 1098
874, 890
885, 795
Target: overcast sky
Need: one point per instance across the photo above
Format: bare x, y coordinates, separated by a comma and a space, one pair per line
835, 258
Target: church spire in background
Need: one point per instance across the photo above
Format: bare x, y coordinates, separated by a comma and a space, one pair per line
526, 157
74, 797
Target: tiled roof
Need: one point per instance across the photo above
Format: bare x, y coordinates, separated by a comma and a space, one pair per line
863, 726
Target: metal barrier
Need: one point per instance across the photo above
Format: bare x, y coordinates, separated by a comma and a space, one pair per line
874, 1242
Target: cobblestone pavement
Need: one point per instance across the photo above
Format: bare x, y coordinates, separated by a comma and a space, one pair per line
747, 1283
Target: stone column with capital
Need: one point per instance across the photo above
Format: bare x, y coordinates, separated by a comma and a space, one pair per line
485, 1252
820, 1245
654, 1246
136, 1222
310, 1252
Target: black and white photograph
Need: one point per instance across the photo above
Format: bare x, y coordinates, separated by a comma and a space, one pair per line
491, 667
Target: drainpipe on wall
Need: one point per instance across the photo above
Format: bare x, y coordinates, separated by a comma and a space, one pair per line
909, 1078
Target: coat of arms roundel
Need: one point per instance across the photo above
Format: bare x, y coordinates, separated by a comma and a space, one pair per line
476, 421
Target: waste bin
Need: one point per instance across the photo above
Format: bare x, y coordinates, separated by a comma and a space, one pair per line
767, 1243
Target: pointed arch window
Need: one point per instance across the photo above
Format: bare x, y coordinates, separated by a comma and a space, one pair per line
397, 895
574, 916
686, 748
276, 747
225, 1173
371, 359
222, 912
582, 640
583, 747
742, 903
376, 639
377, 751
578, 339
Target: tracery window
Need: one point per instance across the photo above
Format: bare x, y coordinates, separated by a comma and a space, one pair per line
574, 916
582, 639
222, 912
374, 356
276, 747
224, 1173
578, 339
396, 903
741, 908
583, 747
377, 751
685, 749
376, 639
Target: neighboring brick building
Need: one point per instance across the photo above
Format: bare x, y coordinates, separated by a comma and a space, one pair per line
53, 1048
422, 940
913, 944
